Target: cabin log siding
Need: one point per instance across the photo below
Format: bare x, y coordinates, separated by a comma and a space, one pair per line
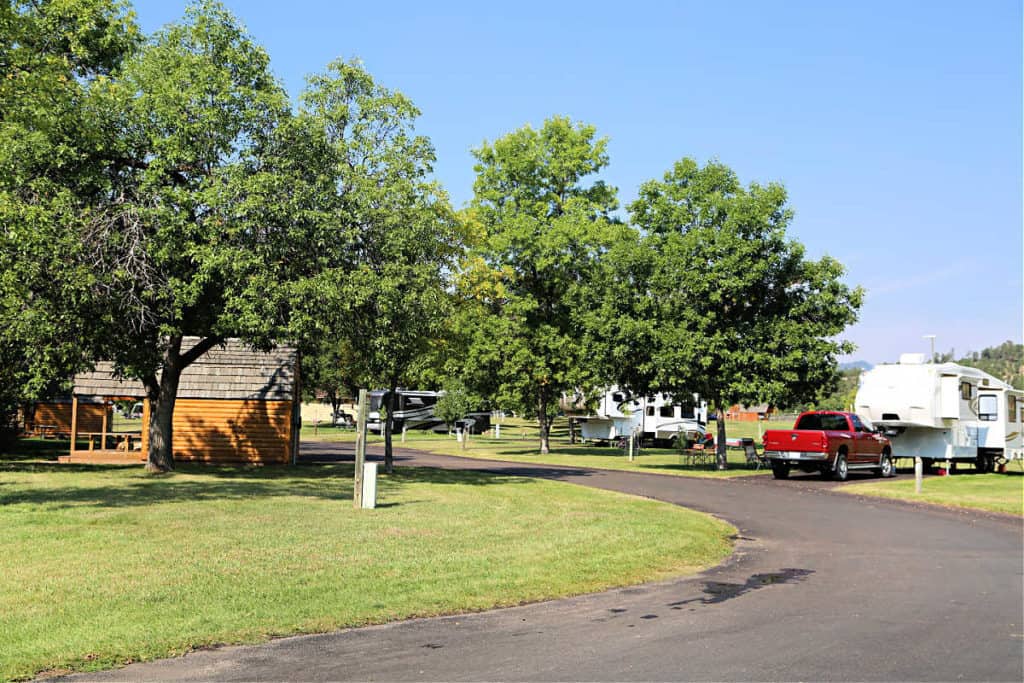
58, 415
224, 430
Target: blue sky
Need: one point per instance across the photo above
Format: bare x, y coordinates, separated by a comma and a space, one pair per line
895, 126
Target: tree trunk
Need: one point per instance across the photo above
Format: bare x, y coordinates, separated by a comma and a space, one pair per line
544, 424
162, 394
389, 425
572, 431
160, 457
720, 457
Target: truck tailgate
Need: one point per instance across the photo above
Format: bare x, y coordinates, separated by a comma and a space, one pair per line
795, 440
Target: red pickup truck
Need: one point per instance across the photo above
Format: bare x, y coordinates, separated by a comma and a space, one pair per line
830, 442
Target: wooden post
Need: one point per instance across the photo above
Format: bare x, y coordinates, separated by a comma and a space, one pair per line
357, 491
145, 429
103, 430
74, 423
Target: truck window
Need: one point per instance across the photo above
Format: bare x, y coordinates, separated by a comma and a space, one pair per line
988, 408
834, 423
858, 425
811, 422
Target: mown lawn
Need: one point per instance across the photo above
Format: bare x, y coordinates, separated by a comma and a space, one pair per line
519, 443
107, 565
993, 492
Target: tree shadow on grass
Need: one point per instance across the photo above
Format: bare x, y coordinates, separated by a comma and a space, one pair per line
126, 486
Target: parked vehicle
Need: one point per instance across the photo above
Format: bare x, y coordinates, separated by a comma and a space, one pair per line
944, 412
413, 410
656, 418
830, 442
342, 419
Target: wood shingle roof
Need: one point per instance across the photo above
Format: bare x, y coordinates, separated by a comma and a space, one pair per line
232, 371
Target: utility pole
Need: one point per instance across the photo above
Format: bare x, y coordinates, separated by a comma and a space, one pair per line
931, 337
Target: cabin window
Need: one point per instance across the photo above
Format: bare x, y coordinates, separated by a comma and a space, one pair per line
618, 397
650, 411
1011, 406
666, 411
988, 408
965, 391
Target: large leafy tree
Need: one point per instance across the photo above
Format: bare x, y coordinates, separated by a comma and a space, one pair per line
391, 303
55, 158
544, 221
714, 298
201, 214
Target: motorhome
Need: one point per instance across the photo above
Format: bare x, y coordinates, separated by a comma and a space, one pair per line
413, 410
656, 418
943, 412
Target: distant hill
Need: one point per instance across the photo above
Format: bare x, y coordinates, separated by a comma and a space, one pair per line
855, 365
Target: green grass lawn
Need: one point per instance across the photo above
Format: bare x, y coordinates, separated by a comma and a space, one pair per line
994, 492
519, 443
104, 565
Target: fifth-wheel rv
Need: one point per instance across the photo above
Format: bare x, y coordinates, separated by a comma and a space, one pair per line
943, 411
655, 418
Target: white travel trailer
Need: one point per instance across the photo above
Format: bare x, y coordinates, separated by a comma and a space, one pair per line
943, 412
654, 418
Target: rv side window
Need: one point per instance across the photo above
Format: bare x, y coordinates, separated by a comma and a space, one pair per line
650, 411
965, 391
988, 408
1011, 407
618, 397
666, 411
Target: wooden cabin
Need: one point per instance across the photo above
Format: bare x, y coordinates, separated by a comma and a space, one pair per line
53, 418
234, 405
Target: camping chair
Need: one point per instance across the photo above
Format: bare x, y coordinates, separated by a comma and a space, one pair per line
750, 451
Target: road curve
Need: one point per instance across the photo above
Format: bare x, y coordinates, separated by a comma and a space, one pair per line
823, 586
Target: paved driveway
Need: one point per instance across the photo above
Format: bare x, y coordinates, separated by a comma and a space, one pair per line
823, 586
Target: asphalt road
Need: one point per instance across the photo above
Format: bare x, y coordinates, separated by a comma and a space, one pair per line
823, 587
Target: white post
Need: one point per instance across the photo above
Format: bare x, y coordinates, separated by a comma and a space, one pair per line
369, 500
629, 444
497, 431
458, 434
917, 474
404, 428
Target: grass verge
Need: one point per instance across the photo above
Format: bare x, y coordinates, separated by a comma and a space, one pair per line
105, 565
992, 492
519, 443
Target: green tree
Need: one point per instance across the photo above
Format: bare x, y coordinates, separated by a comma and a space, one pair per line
728, 306
544, 222
391, 302
55, 158
201, 214
455, 403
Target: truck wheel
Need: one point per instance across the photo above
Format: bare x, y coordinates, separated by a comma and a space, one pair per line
842, 469
886, 468
780, 470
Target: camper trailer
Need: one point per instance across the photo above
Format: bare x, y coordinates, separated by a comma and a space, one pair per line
656, 418
413, 410
943, 412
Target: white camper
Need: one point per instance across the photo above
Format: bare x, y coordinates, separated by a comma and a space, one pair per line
654, 418
943, 411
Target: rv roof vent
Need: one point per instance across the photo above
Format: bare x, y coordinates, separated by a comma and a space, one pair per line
911, 359
890, 416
